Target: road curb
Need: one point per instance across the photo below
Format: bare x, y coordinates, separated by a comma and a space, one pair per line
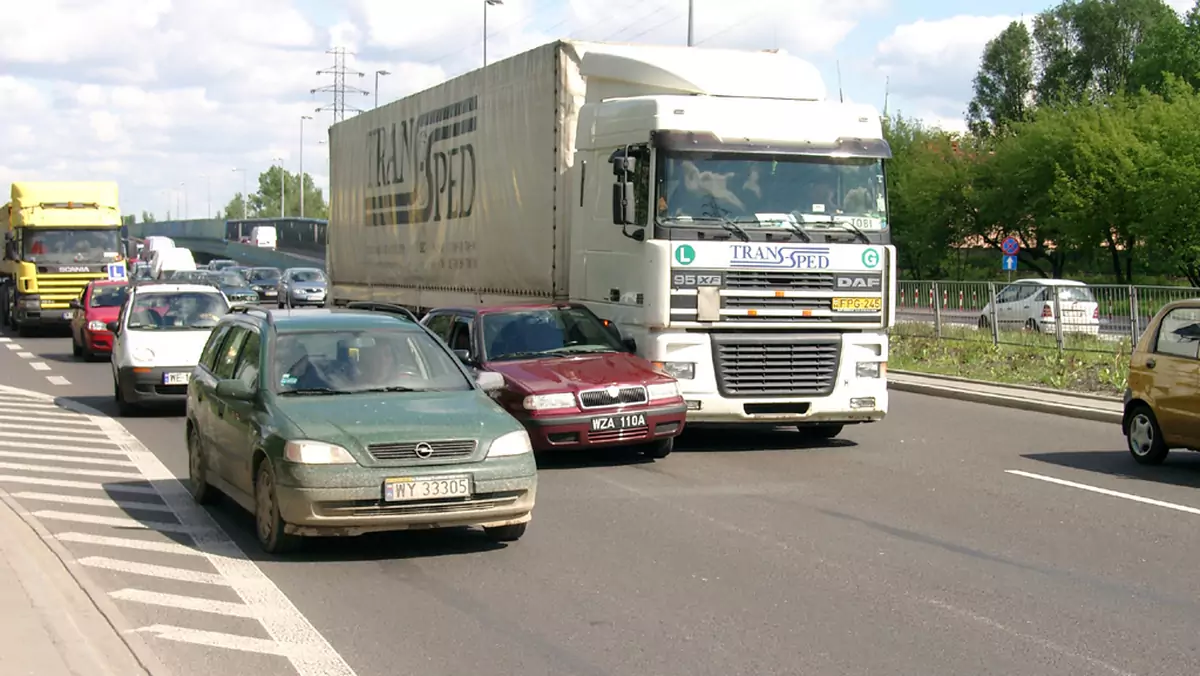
1026, 388
1024, 404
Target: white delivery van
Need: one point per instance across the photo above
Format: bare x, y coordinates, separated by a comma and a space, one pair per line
167, 261
263, 236
156, 243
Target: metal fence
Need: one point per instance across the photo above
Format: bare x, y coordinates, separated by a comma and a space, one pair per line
1095, 317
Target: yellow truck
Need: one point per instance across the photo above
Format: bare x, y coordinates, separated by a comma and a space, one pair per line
58, 236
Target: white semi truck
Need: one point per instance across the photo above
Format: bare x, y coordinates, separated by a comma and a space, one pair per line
714, 204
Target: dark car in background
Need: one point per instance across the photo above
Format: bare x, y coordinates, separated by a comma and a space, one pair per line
233, 285
299, 287
265, 282
220, 264
569, 378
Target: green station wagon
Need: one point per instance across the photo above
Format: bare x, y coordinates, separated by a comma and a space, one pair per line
343, 422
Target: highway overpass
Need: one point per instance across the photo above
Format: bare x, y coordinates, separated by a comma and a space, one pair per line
301, 242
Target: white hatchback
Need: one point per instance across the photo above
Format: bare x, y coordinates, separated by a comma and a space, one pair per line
1029, 304
158, 340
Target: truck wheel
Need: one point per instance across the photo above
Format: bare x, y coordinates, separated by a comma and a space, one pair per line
823, 431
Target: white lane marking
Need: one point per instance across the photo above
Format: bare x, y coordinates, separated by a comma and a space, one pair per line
151, 570
52, 469
280, 618
13, 346
184, 602
51, 419
25, 355
58, 380
5, 340
59, 447
1036, 640
39, 366
92, 502
80, 485
114, 521
48, 437
83, 460
216, 639
1105, 491
49, 407
128, 543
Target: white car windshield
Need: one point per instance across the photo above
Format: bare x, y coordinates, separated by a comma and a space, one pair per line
176, 311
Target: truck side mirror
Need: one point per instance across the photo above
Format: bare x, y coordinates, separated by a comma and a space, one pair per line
623, 211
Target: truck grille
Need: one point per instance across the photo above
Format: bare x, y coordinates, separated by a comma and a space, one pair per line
774, 365
440, 450
624, 397
778, 279
58, 290
770, 303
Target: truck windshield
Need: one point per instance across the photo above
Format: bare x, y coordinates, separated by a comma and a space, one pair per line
766, 191
67, 246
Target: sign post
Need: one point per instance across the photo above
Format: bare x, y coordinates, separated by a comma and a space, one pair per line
1008, 262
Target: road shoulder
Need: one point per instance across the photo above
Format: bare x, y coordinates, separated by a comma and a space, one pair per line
1040, 400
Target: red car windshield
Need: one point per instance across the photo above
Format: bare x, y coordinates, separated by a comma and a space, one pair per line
545, 332
108, 296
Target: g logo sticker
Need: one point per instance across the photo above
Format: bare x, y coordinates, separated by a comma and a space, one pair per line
685, 254
870, 258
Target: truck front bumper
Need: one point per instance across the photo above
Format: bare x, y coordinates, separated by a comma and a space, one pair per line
59, 318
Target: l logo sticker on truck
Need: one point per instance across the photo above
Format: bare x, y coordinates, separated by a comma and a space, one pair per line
685, 254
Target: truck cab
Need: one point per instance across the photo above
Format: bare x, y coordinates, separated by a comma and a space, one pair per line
733, 222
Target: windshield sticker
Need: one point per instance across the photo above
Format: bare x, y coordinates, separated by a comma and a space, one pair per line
818, 208
288, 380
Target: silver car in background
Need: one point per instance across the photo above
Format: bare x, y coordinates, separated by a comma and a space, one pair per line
301, 287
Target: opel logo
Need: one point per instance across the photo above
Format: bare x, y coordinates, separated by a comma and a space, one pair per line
613, 391
423, 450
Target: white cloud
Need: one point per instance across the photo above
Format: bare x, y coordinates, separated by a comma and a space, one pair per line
155, 93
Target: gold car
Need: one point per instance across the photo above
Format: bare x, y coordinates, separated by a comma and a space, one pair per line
1162, 401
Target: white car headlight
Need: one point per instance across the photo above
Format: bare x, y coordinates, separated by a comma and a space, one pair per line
549, 402
660, 391
142, 354
513, 443
97, 325
306, 452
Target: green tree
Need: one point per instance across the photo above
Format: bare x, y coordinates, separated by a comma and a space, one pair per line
1171, 47
236, 210
1004, 83
147, 217
266, 202
128, 219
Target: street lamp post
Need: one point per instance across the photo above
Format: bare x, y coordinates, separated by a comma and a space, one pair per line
208, 189
377, 74
486, 4
183, 187
282, 187
245, 197
303, 193
691, 23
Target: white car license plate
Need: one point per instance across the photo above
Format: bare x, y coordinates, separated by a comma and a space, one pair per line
176, 378
409, 489
613, 423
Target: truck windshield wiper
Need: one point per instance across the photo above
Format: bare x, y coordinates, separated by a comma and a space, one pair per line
724, 222
795, 228
846, 226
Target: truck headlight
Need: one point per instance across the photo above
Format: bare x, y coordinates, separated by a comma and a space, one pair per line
680, 370
869, 369
549, 402
31, 303
661, 391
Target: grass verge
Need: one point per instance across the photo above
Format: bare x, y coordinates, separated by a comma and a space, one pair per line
1095, 366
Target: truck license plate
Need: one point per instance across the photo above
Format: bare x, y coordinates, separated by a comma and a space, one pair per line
852, 304
409, 489
176, 378
614, 423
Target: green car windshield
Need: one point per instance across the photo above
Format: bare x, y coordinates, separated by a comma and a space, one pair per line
376, 360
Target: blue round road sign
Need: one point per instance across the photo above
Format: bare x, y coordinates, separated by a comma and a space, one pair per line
1011, 246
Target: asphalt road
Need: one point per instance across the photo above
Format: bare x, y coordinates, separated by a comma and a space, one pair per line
905, 548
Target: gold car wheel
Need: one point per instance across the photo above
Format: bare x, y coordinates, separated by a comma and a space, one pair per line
1145, 437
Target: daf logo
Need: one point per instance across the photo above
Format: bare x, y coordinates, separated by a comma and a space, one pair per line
423, 450
613, 391
858, 282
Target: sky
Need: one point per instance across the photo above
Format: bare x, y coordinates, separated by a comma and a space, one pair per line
180, 101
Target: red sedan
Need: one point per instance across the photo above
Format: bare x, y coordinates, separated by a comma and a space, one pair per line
99, 304
570, 378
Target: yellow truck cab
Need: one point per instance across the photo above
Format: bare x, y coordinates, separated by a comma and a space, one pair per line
58, 236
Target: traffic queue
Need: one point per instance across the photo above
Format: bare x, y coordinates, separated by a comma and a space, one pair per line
340, 421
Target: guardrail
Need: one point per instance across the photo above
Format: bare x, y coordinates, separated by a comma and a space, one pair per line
1095, 317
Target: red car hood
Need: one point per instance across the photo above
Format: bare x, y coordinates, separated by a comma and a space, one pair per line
104, 314
572, 374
